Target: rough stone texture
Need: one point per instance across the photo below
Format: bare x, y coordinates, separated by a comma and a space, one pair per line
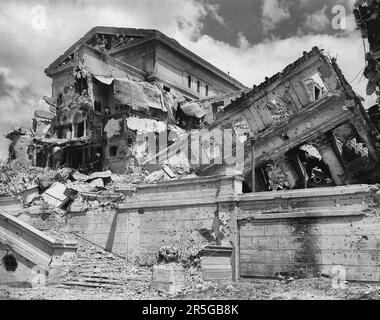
377, 197
170, 278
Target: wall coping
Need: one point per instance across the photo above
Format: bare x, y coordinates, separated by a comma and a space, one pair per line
354, 210
305, 193
184, 181
186, 198
56, 244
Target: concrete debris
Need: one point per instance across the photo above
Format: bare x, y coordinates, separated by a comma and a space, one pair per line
112, 128
145, 125
155, 177
88, 159
30, 194
79, 176
168, 171
377, 197
193, 110
57, 195
97, 183
100, 175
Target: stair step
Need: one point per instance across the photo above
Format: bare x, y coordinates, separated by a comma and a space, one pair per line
92, 285
121, 278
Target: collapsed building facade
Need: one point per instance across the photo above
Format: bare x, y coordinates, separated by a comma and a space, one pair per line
303, 128
115, 82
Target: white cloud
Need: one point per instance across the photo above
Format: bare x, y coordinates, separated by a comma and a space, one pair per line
213, 9
318, 20
274, 12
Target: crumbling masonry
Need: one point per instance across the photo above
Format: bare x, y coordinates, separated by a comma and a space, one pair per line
130, 111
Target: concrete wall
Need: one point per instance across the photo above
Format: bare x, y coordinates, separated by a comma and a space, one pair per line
302, 235
297, 233
174, 69
104, 228
100, 64
63, 83
311, 247
183, 213
140, 56
22, 276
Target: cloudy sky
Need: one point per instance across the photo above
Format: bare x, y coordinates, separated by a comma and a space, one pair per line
250, 39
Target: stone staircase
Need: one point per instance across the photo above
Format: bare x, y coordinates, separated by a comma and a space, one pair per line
96, 268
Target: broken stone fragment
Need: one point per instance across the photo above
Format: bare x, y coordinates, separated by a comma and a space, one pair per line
377, 197
97, 183
57, 195
154, 177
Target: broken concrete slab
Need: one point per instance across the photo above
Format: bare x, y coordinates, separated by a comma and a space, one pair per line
79, 176
170, 278
102, 174
57, 195
31, 193
155, 176
97, 183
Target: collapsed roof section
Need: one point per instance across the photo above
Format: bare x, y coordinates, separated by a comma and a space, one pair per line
306, 103
115, 40
139, 95
307, 115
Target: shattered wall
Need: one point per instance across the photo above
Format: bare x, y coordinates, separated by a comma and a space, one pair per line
283, 114
21, 152
333, 232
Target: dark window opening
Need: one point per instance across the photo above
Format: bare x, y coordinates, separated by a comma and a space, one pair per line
206, 90
10, 263
317, 93
113, 151
198, 86
98, 106
189, 82
80, 129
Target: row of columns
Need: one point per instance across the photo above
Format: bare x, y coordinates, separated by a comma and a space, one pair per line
294, 171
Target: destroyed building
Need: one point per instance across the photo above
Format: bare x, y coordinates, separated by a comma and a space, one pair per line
113, 83
303, 128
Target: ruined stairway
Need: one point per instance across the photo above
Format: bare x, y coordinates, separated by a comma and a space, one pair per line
96, 268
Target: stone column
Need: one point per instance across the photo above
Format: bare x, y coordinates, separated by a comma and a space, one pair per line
287, 167
253, 164
329, 157
85, 127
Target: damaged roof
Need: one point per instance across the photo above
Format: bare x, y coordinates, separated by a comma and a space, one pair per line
146, 35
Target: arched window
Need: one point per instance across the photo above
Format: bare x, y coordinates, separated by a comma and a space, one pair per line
10, 262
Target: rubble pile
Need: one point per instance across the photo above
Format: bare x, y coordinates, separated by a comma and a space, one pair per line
70, 190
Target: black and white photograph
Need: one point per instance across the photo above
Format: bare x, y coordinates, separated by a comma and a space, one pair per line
189, 151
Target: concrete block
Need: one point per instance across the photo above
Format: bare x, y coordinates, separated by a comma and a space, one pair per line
57, 195
170, 278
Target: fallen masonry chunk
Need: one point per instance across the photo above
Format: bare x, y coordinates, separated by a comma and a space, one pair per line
168, 171
170, 277
97, 183
154, 176
103, 175
57, 195
31, 193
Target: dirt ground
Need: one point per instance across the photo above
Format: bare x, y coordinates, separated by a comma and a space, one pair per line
301, 289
